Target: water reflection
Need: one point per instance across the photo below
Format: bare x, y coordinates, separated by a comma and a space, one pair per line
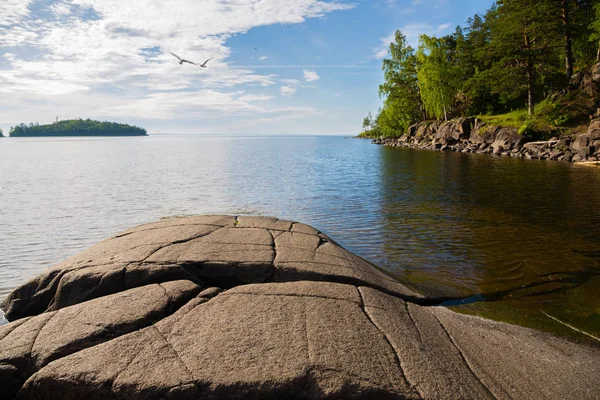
521, 234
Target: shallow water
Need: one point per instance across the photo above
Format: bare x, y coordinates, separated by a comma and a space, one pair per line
520, 240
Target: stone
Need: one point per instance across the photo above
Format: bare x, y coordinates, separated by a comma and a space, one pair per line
555, 154
563, 143
212, 251
507, 139
581, 142
568, 156
489, 134
32, 343
585, 152
318, 323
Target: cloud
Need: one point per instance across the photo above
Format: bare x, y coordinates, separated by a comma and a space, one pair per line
288, 90
61, 9
13, 11
382, 50
310, 76
412, 33
111, 47
262, 58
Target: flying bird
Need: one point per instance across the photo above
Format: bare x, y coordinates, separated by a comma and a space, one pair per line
255, 49
181, 60
203, 65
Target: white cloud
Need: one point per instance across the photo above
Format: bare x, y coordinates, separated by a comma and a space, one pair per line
310, 76
255, 97
288, 90
61, 9
412, 33
111, 47
263, 58
13, 11
382, 51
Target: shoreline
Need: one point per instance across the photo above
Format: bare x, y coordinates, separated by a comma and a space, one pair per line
471, 135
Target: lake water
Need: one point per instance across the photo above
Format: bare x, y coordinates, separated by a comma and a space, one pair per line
520, 240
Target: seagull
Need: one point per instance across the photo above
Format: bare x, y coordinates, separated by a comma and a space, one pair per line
203, 65
181, 60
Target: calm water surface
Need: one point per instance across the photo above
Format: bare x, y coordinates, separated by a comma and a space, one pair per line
519, 239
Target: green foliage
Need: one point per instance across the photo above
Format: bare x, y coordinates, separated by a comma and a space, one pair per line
595, 29
595, 24
528, 128
516, 56
400, 90
393, 119
438, 76
371, 134
513, 119
76, 127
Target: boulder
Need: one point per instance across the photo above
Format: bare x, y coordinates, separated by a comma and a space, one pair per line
581, 142
488, 133
294, 316
219, 251
507, 139
29, 344
451, 132
595, 73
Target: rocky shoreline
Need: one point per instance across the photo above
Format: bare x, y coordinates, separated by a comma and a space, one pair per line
225, 307
471, 135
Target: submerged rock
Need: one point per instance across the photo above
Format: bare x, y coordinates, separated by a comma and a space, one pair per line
221, 307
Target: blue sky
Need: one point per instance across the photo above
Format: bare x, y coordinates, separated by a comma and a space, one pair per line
315, 69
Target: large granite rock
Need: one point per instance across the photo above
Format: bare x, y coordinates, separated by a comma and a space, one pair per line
140, 316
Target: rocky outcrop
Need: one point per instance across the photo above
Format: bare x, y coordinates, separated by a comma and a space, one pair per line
471, 135
588, 81
221, 307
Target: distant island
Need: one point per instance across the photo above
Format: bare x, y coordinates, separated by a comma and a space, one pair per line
76, 127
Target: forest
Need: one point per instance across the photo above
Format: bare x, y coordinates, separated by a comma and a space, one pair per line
76, 127
513, 65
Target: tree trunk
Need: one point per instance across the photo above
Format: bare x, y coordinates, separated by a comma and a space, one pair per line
529, 72
598, 54
568, 40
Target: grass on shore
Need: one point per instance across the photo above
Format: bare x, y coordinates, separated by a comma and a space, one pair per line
553, 116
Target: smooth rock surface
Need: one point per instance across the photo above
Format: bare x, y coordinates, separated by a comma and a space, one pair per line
210, 250
294, 316
31, 343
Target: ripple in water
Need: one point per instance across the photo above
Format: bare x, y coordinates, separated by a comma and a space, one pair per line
522, 235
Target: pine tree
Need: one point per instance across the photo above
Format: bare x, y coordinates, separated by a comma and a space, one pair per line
524, 37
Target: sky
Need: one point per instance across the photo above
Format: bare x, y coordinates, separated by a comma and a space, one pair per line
280, 67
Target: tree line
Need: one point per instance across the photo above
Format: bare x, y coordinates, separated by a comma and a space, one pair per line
76, 127
516, 56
